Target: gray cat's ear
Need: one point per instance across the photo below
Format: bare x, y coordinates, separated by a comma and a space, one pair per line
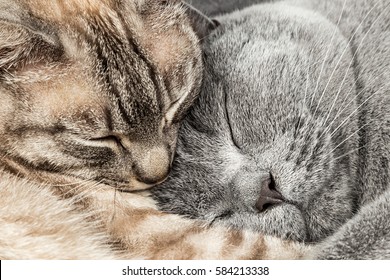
201, 24
22, 38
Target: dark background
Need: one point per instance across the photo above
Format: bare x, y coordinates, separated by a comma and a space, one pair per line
215, 7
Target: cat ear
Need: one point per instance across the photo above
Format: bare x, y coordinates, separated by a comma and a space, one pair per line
201, 24
178, 110
22, 38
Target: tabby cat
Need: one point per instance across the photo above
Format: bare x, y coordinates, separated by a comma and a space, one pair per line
101, 84
291, 134
92, 96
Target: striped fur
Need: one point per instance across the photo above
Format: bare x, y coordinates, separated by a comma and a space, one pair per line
100, 84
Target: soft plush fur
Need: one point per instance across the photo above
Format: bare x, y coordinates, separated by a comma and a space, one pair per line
291, 134
99, 223
36, 224
92, 95
95, 90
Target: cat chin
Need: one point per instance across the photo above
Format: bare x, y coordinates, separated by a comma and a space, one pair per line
131, 185
285, 221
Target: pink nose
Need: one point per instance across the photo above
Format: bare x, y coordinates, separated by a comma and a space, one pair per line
269, 196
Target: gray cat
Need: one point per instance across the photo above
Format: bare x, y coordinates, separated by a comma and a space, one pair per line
291, 134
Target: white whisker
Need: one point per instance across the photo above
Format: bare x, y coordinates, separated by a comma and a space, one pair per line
75, 186
89, 191
338, 63
353, 57
307, 88
114, 202
343, 108
347, 138
327, 53
347, 154
356, 110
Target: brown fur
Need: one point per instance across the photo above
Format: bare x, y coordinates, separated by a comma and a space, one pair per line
119, 73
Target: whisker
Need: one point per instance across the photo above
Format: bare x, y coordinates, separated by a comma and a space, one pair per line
89, 191
115, 202
343, 108
347, 138
338, 62
71, 184
76, 187
353, 57
327, 53
307, 88
355, 111
347, 154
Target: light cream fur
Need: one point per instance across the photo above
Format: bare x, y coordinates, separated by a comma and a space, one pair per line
100, 223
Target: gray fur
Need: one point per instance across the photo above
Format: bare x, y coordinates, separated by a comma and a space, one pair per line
294, 90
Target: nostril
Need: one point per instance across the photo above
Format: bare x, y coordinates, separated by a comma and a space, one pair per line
271, 183
265, 207
269, 196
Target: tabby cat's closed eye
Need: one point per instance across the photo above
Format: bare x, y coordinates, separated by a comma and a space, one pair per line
119, 83
109, 140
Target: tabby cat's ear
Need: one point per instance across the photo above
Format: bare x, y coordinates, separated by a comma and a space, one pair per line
201, 24
23, 40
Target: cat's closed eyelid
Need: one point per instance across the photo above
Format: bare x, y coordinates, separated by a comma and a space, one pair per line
229, 123
109, 139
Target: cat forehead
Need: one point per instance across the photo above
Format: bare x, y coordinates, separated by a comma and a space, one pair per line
140, 60
71, 99
67, 11
139, 17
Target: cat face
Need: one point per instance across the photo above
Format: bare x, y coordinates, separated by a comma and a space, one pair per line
271, 143
95, 90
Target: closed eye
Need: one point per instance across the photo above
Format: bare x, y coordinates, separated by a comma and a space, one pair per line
229, 123
109, 139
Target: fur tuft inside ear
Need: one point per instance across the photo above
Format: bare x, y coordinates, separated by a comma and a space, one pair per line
201, 24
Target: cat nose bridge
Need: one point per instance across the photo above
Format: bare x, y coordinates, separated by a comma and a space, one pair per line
152, 164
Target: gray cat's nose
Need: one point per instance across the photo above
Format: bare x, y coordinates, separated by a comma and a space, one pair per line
269, 196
